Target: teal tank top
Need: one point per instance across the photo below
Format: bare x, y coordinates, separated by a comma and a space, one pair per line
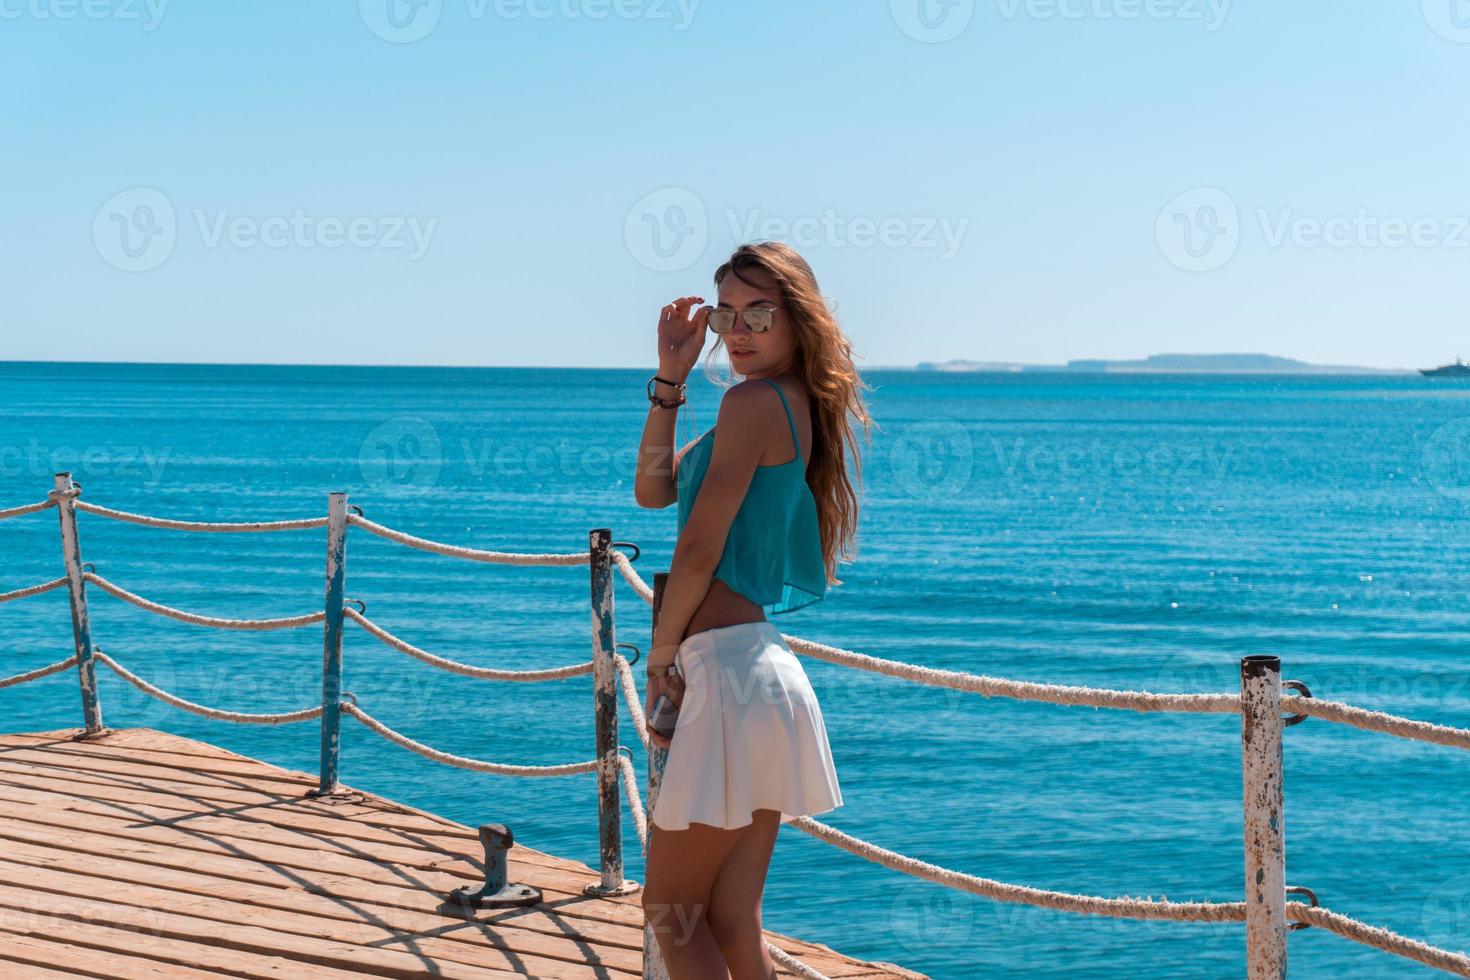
773, 553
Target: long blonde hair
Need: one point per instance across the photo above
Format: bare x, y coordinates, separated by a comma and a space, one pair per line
823, 362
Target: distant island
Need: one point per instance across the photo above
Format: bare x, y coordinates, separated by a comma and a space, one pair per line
1169, 364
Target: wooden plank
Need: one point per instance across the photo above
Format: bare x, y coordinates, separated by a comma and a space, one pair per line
371, 810
156, 923
166, 806
404, 909
494, 946
16, 970
157, 755
210, 957
286, 866
83, 961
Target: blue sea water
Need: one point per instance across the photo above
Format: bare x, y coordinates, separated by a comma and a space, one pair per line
1119, 531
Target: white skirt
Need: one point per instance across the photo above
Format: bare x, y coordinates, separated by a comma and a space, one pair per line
749, 734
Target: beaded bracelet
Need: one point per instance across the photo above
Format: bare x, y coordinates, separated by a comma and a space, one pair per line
666, 403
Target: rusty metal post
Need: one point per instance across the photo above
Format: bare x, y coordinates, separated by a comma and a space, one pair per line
1265, 831
332, 642
605, 708
81, 628
658, 757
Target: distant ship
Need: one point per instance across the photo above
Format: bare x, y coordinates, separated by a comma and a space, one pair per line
1459, 369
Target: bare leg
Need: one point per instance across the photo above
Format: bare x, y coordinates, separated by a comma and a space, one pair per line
681, 870
735, 900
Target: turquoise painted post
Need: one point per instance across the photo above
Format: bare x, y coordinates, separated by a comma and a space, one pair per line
605, 693
332, 642
81, 629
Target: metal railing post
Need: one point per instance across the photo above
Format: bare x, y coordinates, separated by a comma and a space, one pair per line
605, 694
1265, 831
332, 642
81, 629
658, 757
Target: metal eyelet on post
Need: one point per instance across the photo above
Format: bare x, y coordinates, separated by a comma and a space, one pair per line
361, 606
356, 508
628, 544
636, 652
1302, 890
1305, 692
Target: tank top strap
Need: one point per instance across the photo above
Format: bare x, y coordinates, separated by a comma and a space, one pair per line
789, 420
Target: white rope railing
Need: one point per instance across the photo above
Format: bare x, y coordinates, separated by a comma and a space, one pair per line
1334, 711
288, 622
38, 673
1131, 908
625, 566
215, 526
240, 717
55, 583
10, 512
630, 696
459, 761
472, 554
1377, 721
635, 799
1021, 690
466, 670
1384, 939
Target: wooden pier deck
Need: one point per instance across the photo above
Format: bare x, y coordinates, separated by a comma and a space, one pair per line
142, 854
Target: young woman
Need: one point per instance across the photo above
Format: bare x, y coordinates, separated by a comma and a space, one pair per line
765, 509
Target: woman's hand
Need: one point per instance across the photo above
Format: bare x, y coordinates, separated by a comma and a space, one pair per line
671, 684
681, 337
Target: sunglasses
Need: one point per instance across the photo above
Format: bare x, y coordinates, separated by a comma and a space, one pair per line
757, 318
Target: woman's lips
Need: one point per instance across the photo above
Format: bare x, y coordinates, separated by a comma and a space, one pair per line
740, 353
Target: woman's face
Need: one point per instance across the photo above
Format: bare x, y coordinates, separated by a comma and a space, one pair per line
757, 355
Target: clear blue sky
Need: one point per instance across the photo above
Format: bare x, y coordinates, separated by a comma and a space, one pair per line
317, 183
